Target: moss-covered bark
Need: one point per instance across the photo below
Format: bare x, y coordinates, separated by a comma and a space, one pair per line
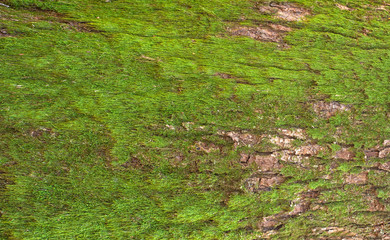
194, 119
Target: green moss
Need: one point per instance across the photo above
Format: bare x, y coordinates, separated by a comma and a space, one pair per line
102, 104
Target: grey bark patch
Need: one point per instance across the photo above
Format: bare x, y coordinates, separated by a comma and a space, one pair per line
385, 166
206, 147
345, 154
329, 109
339, 231
242, 139
384, 153
265, 162
284, 143
310, 194
272, 222
276, 221
360, 178
343, 7
244, 158
368, 154
300, 208
375, 205
224, 75
267, 33
284, 11
260, 181
309, 150
378, 151
298, 133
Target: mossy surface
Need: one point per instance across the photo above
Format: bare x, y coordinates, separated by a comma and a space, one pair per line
111, 117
